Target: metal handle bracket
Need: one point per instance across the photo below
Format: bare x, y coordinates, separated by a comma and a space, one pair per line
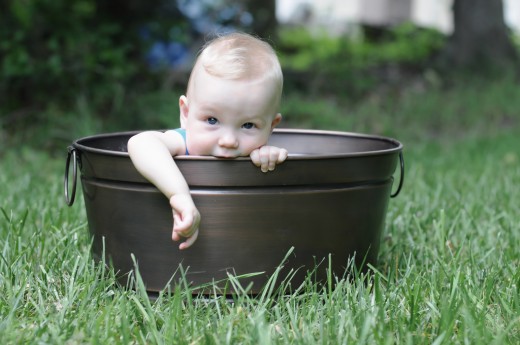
69, 199
401, 176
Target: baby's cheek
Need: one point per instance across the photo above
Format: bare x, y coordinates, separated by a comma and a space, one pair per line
254, 144
200, 147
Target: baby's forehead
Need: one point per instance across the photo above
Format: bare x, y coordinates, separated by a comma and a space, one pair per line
201, 80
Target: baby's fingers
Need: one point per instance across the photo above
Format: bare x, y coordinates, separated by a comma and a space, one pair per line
282, 156
180, 230
273, 157
255, 157
182, 226
267, 157
190, 240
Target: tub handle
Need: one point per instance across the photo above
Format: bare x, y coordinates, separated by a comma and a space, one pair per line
401, 175
69, 199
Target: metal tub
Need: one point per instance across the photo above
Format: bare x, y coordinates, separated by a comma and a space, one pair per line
328, 200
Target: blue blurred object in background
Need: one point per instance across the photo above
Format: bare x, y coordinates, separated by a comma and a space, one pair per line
167, 55
170, 42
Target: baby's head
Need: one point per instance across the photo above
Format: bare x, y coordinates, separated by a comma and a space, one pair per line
233, 96
239, 56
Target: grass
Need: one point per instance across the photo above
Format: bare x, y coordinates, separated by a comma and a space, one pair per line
448, 270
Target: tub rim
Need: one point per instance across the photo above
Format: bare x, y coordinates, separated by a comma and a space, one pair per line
398, 145
76, 148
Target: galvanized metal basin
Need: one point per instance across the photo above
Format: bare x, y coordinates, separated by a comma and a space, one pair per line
328, 199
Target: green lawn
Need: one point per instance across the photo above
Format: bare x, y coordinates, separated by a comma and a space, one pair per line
448, 272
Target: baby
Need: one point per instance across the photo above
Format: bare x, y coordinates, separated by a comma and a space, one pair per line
229, 110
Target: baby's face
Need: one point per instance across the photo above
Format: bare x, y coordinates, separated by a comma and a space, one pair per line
227, 118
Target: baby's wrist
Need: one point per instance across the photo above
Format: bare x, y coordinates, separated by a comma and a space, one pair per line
184, 199
183, 196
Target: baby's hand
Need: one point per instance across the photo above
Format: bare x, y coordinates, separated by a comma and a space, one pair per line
267, 157
186, 219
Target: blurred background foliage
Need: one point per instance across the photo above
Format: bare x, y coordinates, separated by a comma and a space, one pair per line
320, 63
80, 67
54, 51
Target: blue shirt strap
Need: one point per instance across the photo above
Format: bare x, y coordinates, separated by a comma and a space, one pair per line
182, 132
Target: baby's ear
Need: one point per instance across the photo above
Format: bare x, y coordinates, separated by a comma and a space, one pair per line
276, 120
184, 110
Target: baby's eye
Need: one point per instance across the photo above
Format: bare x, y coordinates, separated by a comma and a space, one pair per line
248, 125
211, 120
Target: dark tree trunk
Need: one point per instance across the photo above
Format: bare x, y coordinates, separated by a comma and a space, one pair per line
480, 37
264, 18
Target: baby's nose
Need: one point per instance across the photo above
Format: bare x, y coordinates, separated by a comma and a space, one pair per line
228, 140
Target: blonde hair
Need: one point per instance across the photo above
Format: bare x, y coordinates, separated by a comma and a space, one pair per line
240, 56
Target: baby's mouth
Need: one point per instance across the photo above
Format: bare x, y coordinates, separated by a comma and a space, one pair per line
228, 155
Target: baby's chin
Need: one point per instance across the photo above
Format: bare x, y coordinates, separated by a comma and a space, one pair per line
230, 155
220, 154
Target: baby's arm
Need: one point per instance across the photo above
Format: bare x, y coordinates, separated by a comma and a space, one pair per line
266, 157
151, 153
